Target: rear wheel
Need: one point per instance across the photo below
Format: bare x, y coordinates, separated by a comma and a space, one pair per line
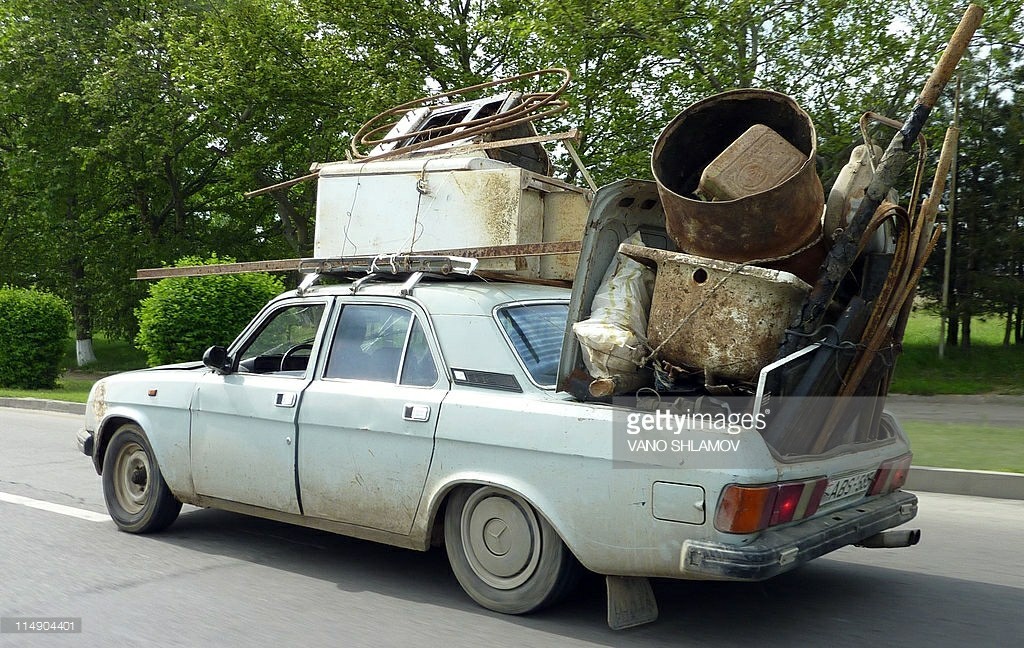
137, 496
505, 555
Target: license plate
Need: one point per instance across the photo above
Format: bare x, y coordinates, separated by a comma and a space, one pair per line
847, 486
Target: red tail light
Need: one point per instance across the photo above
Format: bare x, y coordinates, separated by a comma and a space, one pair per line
746, 509
891, 475
786, 502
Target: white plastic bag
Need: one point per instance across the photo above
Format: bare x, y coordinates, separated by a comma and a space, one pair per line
614, 335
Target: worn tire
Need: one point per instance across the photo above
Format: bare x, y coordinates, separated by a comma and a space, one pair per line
505, 555
137, 496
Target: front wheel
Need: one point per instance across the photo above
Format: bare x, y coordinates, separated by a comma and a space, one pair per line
505, 555
137, 496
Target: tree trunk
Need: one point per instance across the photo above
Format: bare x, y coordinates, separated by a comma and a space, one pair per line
1018, 334
952, 328
965, 331
1009, 326
81, 313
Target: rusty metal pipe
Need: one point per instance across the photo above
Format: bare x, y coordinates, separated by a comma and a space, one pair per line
926, 220
892, 539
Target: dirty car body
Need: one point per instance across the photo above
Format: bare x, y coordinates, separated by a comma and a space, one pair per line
420, 415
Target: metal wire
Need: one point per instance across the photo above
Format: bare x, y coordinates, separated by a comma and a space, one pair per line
534, 106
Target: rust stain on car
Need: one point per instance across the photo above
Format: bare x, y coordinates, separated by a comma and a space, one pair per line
99, 401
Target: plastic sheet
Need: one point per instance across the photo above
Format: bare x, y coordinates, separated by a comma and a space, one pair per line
612, 338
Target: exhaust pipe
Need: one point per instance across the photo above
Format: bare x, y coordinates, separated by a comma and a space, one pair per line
891, 539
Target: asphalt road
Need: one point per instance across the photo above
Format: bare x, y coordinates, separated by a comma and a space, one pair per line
995, 410
220, 579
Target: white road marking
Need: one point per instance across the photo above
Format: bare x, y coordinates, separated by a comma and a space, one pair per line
81, 514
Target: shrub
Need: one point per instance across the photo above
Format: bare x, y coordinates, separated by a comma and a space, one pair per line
182, 316
34, 330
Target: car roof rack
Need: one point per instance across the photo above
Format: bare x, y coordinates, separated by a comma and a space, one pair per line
439, 263
365, 269
397, 263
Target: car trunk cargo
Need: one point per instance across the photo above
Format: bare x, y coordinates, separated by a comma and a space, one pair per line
796, 425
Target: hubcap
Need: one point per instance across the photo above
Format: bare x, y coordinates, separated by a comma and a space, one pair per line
131, 478
501, 535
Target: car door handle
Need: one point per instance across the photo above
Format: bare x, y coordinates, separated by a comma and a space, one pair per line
284, 399
416, 412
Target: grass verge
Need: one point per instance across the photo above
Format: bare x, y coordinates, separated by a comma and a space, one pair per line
71, 389
970, 447
111, 356
989, 367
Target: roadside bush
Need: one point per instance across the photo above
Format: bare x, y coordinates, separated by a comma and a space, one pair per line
34, 330
182, 316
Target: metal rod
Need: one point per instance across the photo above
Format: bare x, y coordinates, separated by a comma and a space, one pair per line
950, 220
278, 265
570, 134
281, 185
290, 265
574, 154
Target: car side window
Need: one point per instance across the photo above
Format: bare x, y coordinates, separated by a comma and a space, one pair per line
284, 342
368, 342
536, 332
418, 369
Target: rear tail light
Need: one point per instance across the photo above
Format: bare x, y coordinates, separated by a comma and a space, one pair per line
891, 475
746, 509
785, 503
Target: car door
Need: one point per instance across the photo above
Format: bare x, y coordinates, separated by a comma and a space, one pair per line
243, 435
366, 424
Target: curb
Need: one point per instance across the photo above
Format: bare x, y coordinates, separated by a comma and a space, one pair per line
43, 404
979, 483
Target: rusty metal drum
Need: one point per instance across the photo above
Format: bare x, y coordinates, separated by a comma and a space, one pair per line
764, 225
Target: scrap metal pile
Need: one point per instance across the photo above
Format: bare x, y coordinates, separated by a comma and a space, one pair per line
773, 289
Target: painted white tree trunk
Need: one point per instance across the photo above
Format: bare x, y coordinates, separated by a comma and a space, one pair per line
83, 350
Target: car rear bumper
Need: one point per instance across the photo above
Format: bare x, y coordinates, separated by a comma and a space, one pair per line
780, 550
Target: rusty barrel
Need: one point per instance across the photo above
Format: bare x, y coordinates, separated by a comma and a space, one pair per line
764, 225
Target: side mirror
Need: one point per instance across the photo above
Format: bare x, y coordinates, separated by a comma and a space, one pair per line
217, 358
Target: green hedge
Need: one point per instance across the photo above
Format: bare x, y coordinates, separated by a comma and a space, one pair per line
183, 316
34, 329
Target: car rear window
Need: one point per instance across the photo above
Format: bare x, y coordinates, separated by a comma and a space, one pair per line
536, 332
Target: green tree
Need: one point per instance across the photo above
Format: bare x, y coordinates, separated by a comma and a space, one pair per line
988, 243
46, 50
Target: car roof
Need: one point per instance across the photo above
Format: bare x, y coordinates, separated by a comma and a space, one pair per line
448, 297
